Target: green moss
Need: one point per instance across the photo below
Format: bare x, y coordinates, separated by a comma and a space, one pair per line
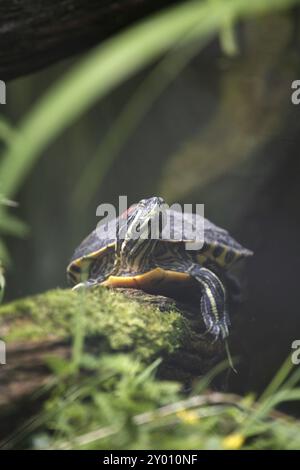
123, 323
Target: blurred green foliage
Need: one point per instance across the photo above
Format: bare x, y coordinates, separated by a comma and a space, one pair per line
120, 404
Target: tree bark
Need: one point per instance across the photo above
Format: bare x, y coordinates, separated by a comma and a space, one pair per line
36, 33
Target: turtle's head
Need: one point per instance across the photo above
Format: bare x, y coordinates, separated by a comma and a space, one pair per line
142, 227
142, 221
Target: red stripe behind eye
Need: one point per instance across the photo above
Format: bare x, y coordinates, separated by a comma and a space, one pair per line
126, 213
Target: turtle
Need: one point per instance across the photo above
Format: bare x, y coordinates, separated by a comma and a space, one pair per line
118, 254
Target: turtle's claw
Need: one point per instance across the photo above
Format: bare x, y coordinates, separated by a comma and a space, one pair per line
216, 328
85, 284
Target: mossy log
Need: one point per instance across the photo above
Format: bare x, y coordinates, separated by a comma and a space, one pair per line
36, 328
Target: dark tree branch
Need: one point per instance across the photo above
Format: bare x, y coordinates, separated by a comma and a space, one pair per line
37, 33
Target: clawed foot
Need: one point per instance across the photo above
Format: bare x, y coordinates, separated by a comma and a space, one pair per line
216, 328
85, 284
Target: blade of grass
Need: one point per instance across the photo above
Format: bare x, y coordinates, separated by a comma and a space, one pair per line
228, 39
293, 380
11, 225
278, 379
273, 395
7, 133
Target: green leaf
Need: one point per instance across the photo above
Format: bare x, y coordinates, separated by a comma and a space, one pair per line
11, 225
228, 39
7, 133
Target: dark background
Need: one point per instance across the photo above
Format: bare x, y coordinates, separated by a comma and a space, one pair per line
225, 134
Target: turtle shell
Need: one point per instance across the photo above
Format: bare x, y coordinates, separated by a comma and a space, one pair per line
216, 246
97, 241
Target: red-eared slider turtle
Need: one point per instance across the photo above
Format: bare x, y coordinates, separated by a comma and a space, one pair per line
118, 254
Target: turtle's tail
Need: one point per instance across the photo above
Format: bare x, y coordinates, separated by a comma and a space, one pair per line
229, 356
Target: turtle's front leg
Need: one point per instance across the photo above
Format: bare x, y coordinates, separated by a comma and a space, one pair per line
213, 301
85, 284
